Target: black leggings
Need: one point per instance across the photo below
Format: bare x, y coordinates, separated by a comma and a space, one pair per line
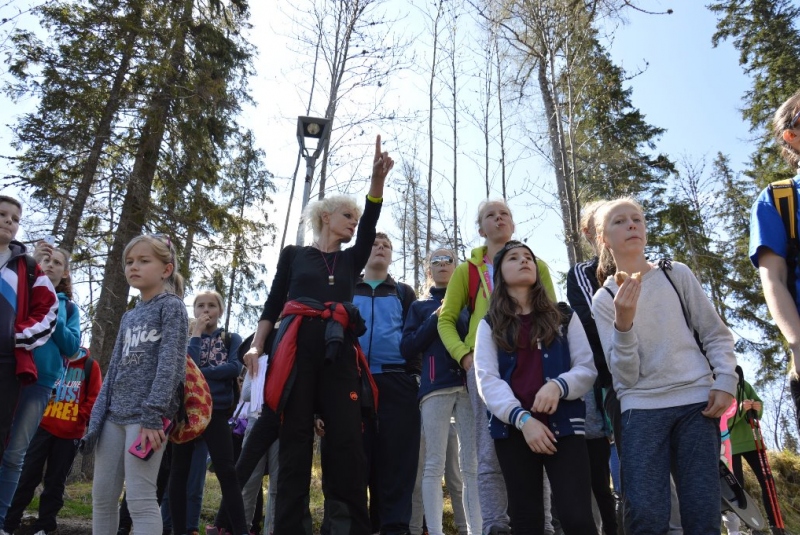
599, 453
333, 389
220, 448
568, 473
260, 438
755, 464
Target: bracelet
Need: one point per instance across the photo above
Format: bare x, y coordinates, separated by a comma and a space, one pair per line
374, 199
522, 419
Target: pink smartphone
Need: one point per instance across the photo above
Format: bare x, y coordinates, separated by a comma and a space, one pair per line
147, 452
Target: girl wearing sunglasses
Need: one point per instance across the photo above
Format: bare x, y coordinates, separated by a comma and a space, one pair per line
442, 394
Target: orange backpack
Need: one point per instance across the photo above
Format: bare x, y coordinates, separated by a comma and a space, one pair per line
194, 412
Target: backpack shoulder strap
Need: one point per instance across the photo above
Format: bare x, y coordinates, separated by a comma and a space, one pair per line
474, 286
88, 364
566, 316
400, 292
783, 194
226, 339
30, 268
666, 265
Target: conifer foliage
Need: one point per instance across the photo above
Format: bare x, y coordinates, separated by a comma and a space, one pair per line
137, 103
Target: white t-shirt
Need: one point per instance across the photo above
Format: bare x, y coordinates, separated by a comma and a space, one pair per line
5, 256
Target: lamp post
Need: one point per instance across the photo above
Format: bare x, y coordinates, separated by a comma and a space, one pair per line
310, 128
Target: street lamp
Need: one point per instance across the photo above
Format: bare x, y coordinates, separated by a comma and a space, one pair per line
310, 128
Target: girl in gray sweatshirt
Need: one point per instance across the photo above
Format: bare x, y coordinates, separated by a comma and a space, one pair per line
140, 391
671, 391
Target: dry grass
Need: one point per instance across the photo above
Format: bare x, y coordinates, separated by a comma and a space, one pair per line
785, 469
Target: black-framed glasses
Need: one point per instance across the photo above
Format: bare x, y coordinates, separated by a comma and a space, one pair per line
441, 260
793, 122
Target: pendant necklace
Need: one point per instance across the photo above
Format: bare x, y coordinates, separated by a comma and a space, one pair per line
330, 269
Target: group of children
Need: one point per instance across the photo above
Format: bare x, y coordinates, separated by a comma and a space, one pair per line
48, 383
353, 356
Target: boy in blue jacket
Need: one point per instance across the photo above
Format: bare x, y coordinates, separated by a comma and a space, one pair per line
392, 450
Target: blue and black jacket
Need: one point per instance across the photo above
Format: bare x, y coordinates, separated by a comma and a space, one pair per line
421, 337
570, 416
384, 310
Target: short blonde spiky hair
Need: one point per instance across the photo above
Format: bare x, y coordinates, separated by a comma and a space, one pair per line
312, 215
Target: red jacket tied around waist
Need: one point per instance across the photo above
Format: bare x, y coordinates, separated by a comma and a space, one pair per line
283, 358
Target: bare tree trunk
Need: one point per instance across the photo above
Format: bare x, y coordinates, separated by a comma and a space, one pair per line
299, 153
431, 82
348, 15
416, 234
136, 204
190, 231
502, 125
455, 142
487, 86
404, 229
560, 164
103, 133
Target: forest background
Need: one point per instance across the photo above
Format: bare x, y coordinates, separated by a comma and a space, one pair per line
128, 116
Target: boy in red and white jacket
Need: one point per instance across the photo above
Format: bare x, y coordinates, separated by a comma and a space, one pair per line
28, 312
55, 443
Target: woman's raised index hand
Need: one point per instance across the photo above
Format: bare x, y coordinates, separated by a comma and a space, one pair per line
381, 163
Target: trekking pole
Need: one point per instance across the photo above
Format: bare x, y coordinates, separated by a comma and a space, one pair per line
761, 450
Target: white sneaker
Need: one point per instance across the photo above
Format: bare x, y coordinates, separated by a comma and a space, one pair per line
40, 532
4, 532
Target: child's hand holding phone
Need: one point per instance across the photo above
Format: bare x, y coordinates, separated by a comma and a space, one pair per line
150, 440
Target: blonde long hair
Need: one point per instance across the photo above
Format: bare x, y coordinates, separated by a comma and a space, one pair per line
164, 250
606, 265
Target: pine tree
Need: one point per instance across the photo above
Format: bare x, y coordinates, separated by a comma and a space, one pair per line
766, 35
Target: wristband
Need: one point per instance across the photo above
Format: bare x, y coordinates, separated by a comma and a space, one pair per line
522, 419
374, 199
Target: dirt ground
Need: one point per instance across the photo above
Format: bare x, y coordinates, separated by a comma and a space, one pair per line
66, 526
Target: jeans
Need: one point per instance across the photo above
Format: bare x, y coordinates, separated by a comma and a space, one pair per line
680, 438
194, 490
30, 409
436, 411
9, 394
58, 454
113, 466
217, 437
